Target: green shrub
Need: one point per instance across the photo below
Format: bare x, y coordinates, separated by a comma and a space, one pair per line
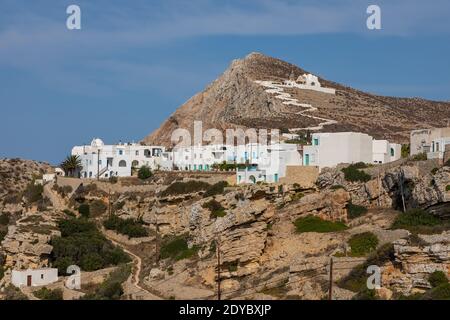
2, 272
97, 208
437, 278
405, 150
129, 227
85, 210
111, 289
185, 188
447, 187
47, 294
434, 170
354, 211
4, 219
316, 224
215, 208
3, 233
217, 188
177, 249
353, 174
13, 293
337, 187
413, 219
419, 157
69, 213
33, 193
363, 244
441, 292
144, 173
82, 244
356, 280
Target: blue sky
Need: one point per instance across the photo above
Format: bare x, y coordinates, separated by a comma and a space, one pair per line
134, 62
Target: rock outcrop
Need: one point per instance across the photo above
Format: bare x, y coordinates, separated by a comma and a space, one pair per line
415, 260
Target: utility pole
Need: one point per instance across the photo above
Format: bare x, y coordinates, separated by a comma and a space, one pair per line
157, 237
219, 293
110, 205
330, 292
98, 165
401, 188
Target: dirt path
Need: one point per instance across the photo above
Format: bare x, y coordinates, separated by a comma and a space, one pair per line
132, 287
55, 199
278, 90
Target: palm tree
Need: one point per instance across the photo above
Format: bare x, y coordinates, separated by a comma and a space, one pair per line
71, 165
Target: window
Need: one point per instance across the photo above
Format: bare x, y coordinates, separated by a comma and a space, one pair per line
42, 276
392, 152
137, 152
100, 162
120, 152
122, 164
316, 141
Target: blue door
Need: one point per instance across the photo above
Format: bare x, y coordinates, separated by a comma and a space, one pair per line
307, 159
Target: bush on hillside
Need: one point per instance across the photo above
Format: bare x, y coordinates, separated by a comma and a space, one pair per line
356, 280
47, 294
33, 193
437, 278
354, 211
353, 174
129, 227
316, 224
413, 219
363, 244
217, 188
177, 249
97, 208
216, 209
419, 157
4, 219
82, 244
185, 188
85, 210
111, 289
144, 173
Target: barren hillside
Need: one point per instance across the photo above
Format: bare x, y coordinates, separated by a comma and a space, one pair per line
235, 99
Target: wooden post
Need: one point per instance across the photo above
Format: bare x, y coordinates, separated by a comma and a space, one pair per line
330, 292
401, 178
157, 249
219, 293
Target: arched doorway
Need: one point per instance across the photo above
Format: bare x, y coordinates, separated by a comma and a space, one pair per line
252, 179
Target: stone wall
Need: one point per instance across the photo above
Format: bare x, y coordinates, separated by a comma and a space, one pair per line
305, 176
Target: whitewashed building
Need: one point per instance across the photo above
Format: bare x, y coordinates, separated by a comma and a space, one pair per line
384, 151
98, 159
439, 148
268, 163
429, 141
262, 162
34, 277
331, 149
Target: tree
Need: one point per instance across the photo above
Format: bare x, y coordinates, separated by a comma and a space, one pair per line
144, 173
71, 165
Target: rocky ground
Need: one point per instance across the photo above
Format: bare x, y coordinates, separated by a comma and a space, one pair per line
253, 229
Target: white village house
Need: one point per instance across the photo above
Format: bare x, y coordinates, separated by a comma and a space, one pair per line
434, 142
331, 149
34, 277
104, 161
256, 162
